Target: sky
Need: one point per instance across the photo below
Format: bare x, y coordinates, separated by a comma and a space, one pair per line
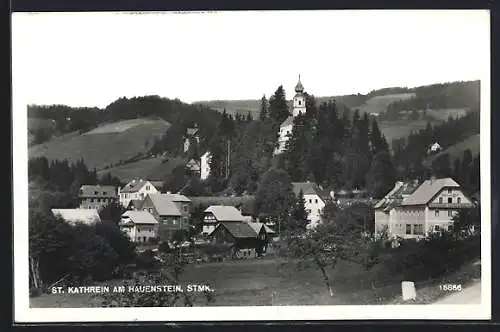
92, 59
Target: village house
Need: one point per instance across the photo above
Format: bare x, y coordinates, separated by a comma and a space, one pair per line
134, 205
191, 134
194, 167
205, 165
74, 216
96, 196
315, 199
140, 226
170, 210
412, 210
286, 127
434, 148
247, 239
221, 213
136, 189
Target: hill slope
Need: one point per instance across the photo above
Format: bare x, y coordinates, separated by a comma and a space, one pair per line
457, 151
108, 144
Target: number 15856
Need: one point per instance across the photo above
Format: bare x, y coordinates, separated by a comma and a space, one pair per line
451, 287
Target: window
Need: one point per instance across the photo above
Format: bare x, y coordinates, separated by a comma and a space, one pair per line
310, 201
458, 200
95, 192
316, 200
440, 200
436, 213
436, 228
449, 191
104, 193
185, 208
309, 211
288, 132
408, 229
147, 187
299, 102
418, 229
174, 222
450, 228
450, 213
450, 200
91, 200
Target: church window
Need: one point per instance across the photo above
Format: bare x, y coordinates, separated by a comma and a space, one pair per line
300, 102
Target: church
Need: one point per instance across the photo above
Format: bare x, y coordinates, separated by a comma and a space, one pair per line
299, 107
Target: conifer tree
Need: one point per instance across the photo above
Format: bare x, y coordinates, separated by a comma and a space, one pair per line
298, 218
278, 106
380, 179
263, 108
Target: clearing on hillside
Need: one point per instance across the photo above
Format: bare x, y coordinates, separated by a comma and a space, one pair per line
153, 169
401, 128
106, 145
379, 104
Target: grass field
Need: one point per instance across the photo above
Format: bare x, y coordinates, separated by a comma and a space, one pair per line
457, 150
266, 282
401, 128
379, 104
153, 169
105, 145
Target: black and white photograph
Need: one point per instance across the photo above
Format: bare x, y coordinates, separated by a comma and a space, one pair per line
251, 165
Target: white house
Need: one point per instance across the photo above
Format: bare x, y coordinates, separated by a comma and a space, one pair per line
411, 210
136, 190
205, 165
286, 127
315, 200
140, 226
434, 148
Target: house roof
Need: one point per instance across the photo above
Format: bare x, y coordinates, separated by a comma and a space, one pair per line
177, 198
257, 227
225, 213
157, 184
139, 217
310, 188
394, 197
86, 216
238, 229
288, 121
192, 131
97, 191
427, 190
136, 203
164, 205
134, 186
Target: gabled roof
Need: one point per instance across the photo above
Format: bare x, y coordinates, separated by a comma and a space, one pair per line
192, 131
134, 186
139, 217
288, 121
225, 213
257, 227
427, 190
239, 230
310, 188
164, 205
394, 197
97, 191
86, 216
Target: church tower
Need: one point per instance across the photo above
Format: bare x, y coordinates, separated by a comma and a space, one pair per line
299, 100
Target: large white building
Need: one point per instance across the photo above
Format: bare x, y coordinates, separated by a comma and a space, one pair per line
411, 210
286, 127
136, 190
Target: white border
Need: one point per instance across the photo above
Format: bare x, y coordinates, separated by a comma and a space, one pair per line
24, 314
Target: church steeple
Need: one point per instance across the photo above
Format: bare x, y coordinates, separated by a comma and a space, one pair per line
299, 88
299, 100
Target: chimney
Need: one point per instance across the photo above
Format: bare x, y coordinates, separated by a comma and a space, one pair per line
433, 178
332, 194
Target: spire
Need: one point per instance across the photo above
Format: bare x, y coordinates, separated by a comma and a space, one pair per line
299, 88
